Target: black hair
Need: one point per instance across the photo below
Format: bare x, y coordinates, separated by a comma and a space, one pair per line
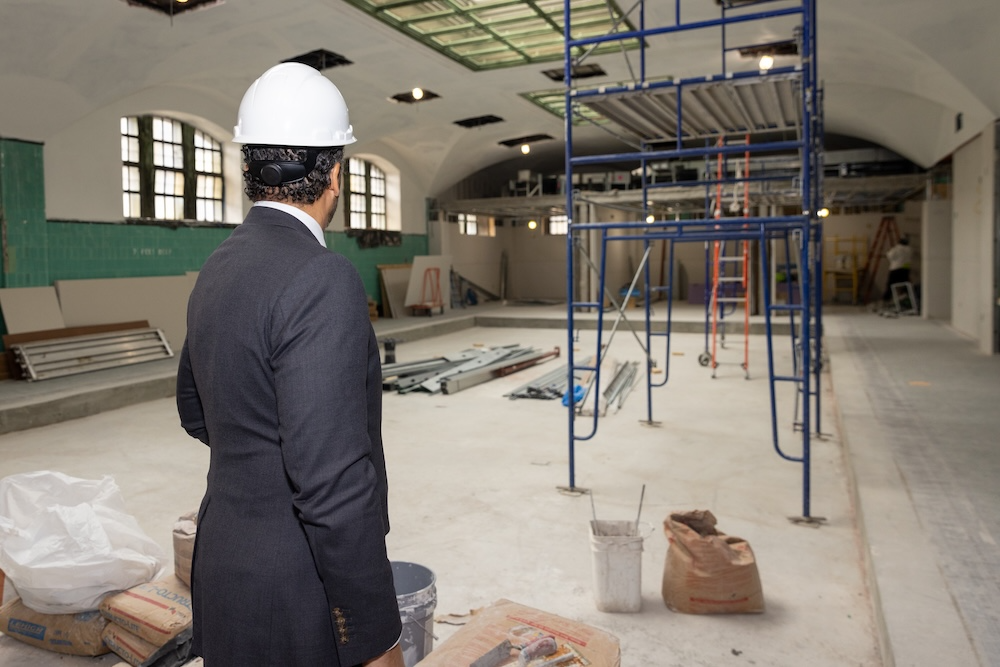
305, 191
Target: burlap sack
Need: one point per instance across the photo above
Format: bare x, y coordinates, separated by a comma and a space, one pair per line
708, 572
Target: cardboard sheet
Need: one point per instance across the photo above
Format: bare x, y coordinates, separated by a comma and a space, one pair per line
394, 278
490, 626
27, 309
162, 300
424, 268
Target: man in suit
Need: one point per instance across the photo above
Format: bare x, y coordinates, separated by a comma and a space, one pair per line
280, 377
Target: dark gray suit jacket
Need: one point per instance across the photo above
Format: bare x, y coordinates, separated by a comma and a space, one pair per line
280, 376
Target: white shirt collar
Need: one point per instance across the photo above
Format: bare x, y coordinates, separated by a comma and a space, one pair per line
300, 215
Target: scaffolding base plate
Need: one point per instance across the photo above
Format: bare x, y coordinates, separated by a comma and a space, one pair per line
573, 490
811, 521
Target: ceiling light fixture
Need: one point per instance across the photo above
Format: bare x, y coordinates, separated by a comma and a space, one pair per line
650, 218
525, 149
414, 96
766, 62
532, 224
823, 212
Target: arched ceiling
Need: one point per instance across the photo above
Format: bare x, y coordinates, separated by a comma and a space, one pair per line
895, 72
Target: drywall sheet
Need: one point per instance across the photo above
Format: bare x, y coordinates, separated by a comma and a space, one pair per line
395, 278
161, 300
27, 309
416, 293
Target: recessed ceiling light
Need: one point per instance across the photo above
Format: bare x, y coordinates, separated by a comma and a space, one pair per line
414, 96
525, 148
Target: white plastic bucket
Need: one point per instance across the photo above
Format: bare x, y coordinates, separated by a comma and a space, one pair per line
617, 563
417, 598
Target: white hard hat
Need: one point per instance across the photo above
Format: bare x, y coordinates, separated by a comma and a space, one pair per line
292, 104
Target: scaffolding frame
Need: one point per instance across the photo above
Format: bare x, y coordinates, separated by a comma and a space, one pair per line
657, 115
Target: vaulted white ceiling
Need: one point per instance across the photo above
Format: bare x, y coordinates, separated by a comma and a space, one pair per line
894, 72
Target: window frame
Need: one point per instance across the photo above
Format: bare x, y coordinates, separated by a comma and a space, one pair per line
147, 166
365, 195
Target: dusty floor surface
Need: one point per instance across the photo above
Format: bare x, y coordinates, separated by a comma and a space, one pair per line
474, 497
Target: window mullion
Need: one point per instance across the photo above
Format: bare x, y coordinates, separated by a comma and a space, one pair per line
368, 195
190, 176
146, 169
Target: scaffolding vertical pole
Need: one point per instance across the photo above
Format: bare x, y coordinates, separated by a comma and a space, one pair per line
805, 263
818, 188
570, 235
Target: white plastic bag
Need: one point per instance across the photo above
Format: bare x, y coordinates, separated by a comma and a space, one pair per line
66, 542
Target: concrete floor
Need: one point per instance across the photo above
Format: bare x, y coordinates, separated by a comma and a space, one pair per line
903, 571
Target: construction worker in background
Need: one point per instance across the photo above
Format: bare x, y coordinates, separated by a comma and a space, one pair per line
280, 376
900, 256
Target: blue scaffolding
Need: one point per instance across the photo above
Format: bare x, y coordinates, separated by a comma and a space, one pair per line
662, 119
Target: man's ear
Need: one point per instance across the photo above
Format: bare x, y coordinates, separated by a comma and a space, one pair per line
335, 179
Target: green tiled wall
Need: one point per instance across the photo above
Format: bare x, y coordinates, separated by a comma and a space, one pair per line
22, 210
79, 250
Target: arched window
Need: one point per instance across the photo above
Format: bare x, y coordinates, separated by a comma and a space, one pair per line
367, 195
170, 171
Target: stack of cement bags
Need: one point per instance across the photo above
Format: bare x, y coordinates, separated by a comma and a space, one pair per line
150, 624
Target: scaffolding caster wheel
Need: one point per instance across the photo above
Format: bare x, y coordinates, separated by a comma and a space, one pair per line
703, 358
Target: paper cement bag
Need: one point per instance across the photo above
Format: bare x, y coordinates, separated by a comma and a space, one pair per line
156, 612
579, 644
132, 649
184, 533
708, 572
72, 634
138, 652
